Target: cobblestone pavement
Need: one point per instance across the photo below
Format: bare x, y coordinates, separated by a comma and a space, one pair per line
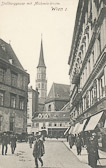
56, 155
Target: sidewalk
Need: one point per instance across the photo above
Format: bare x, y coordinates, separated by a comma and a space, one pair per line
84, 156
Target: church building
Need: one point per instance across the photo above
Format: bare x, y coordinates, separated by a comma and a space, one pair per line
41, 82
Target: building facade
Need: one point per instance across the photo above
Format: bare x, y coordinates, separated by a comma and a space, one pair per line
58, 97
54, 121
87, 63
13, 91
41, 82
32, 107
54, 124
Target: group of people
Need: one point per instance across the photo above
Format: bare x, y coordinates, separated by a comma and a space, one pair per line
5, 140
90, 141
38, 150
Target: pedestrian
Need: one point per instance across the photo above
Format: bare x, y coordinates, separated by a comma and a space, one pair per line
92, 149
71, 140
13, 140
79, 144
31, 141
38, 150
4, 141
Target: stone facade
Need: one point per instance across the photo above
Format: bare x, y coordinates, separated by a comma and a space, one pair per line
13, 91
87, 61
32, 107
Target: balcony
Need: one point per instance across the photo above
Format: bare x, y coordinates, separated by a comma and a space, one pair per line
76, 78
77, 97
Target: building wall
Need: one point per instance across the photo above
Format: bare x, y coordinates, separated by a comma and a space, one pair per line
88, 61
41, 84
13, 98
32, 107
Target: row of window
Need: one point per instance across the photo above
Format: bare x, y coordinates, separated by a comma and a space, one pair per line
41, 86
14, 79
51, 125
96, 92
13, 100
41, 76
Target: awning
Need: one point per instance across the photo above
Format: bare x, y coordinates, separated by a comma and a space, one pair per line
67, 130
75, 131
105, 124
81, 126
93, 122
71, 130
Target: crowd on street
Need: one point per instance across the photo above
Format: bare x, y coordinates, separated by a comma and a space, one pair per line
88, 141
11, 139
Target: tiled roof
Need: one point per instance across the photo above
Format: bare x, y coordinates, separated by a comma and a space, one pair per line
59, 91
7, 54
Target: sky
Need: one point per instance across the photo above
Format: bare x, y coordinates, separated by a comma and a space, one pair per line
21, 24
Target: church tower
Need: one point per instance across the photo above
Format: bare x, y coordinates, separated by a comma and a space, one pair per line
41, 82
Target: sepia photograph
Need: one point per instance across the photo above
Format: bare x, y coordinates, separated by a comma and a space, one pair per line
52, 83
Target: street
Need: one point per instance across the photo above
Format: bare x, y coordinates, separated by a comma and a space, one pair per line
57, 155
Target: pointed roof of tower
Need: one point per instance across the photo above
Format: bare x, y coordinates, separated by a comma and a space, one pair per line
41, 58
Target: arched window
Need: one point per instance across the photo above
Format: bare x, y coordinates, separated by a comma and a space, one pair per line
49, 107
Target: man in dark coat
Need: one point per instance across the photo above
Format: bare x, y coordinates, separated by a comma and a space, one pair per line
4, 141
13, 140
92, 149
38, 151
79, 144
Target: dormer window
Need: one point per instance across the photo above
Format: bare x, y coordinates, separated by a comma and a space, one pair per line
3, 47
11, 61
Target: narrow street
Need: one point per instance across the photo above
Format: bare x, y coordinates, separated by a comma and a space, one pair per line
56, 155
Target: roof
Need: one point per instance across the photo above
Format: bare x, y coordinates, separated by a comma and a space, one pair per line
41, 58
52, 116
59, 91
8, 55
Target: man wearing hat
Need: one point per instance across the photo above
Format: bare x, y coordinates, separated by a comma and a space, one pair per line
38, 150
4, 141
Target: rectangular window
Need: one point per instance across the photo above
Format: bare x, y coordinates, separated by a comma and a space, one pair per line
21, 103
1, 98
42, 85
37, 124
11, 123
13, 101
101, 87
14, 79
2, 73
50, 124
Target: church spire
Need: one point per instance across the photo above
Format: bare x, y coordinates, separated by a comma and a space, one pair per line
41, 58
